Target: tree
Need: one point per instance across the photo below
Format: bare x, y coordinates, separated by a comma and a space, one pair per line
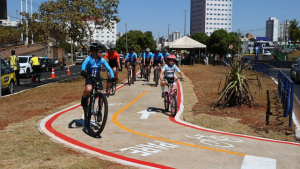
294, 31
201, 37
8, 35
71, 19
220, 40
137, 39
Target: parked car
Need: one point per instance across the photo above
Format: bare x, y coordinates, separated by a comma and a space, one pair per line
267, 53
47, 64
25, 66
295, 71
8, 78
80, 59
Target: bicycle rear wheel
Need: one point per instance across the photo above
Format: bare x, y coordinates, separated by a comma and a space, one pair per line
173, 106
166, 102
128, 77
132, 77
98, 115
114, 87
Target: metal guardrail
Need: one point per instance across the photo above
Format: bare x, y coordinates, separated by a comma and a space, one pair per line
286, 93
263, 68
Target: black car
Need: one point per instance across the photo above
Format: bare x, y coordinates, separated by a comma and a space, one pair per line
295, 71
47, 64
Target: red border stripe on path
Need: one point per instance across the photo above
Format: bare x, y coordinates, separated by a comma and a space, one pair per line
220, 132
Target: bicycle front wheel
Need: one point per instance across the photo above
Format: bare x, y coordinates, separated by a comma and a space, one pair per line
156, 77
173, 106
128, 76
98, 113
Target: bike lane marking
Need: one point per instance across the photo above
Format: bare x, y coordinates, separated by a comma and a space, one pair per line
115, 116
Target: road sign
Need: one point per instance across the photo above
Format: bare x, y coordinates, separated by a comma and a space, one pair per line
146, 114
230, 46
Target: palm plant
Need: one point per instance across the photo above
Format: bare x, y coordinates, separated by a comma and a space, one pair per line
236, 90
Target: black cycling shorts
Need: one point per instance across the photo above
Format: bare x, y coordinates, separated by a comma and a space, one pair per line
156, 64
113, 63
170, 80
90, 82
132, 64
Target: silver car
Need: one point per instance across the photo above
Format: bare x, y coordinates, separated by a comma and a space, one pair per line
80, 59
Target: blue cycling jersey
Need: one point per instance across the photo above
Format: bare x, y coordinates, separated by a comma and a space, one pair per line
157, 57
170, 70
147, 57
93, 66
165, 55
131, 57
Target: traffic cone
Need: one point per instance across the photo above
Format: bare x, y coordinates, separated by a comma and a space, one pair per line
52, 74
32, 79
68, 71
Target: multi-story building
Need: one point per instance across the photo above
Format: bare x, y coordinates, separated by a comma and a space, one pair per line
105, 36
283, 30
8, 22
175, 35
119, 35
272, 26
210, 15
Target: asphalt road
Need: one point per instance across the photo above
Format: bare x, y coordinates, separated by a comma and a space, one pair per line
45, 78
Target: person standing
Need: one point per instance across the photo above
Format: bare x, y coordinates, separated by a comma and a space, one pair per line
13, 62
216, 59
121, 56
36, 67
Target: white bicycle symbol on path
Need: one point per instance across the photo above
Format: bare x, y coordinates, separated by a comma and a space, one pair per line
215, 140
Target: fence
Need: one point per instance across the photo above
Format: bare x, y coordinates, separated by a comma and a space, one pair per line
263, 68
286, 93
280, 54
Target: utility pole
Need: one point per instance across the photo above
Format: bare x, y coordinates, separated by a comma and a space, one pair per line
284, 22
21, 18
239, 43
31, 31
168, 33
185, 21
158, 39
126, 39
26, 26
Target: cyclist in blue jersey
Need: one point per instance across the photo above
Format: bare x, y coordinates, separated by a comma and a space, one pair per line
167, 74
92, 66
147, 60
132, 58
165, 55
157, 60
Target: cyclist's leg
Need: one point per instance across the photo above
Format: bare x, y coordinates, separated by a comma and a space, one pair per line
86, 92
133, 71
162, 85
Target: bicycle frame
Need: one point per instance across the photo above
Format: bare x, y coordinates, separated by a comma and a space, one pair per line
171, 93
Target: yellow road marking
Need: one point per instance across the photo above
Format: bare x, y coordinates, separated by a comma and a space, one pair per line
114, 119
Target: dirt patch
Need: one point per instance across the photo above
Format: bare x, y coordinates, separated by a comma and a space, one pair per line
241, 120
23, 146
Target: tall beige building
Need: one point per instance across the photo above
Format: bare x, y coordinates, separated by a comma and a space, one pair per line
210, 15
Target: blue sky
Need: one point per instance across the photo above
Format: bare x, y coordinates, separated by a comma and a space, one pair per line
154, 15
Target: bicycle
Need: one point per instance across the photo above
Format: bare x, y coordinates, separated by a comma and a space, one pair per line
95, 115
142, 69
129, 74
111, 88
156, 75
147, 76
171, 98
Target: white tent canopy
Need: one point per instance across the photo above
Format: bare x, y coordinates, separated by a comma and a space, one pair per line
185, 43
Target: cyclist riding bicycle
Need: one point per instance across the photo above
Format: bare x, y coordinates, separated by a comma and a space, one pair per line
157, 60
113, 60
167, 74
92, 64
147, 60
165, 54
131, 58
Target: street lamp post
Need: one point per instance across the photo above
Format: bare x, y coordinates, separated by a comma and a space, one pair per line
185, 21
126, 38
168, 33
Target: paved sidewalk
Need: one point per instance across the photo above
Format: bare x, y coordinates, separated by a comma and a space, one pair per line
159, 141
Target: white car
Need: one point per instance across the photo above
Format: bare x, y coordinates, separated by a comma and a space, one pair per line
267, 53
228, 55
80, 59
25, 66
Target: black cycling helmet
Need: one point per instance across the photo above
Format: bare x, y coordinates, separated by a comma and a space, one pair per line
132, 48
96, 46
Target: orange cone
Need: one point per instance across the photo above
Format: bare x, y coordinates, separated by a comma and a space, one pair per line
52, 74
68, 71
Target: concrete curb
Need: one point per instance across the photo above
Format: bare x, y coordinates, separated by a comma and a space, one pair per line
295, 120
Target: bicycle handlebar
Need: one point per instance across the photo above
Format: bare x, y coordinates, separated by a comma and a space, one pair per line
96, 79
